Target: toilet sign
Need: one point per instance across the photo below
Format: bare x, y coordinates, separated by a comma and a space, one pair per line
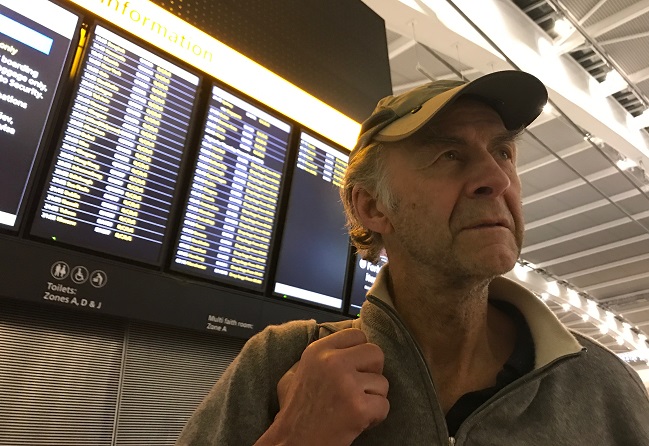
98, 279
60, 270
69, 285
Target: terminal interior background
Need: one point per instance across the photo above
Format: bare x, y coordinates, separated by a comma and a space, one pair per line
583, 165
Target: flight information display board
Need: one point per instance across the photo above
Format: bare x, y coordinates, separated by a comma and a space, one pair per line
229, 219
313, 256
35, 43
363, 278
114, 177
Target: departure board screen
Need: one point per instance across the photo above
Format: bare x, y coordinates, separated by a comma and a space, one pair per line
35, 42
313, 255
364, 276
114, 176
230, 214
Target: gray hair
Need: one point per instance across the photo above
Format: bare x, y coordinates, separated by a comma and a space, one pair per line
367, 170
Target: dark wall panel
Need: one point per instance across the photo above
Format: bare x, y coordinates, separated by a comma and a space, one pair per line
335, 49
98, 380
60, 375
167, 372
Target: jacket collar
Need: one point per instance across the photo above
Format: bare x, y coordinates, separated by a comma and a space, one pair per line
552, 339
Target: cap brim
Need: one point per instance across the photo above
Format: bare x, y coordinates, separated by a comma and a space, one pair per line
518, 97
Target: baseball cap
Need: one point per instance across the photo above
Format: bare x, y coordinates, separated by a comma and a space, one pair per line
518, 97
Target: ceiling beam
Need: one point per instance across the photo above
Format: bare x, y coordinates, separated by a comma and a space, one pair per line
639, 76
585, 208
576, 322
614, 282
618, 19
542, 119
623, 38
585, 232
565, 153
400, 46
595, 250
606, 266
569, 185
424, 80
591, 11
573, 42
634, 310
615, 300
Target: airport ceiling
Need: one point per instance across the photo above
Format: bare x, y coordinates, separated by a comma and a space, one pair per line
586, 204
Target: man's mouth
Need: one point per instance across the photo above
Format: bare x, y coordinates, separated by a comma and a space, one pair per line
489, 224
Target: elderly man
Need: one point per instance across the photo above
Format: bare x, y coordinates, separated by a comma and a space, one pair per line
445, 350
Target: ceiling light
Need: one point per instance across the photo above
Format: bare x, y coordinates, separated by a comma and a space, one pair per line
565, 306
613, 83
573, 298
641, 121
626, 164
520, 271
548, 108
592, 308
563, 28
611, 321
599, 142
553, 288
614, 76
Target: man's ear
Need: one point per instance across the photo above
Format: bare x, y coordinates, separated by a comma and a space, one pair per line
370, 211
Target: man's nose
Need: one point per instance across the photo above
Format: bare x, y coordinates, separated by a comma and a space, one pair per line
488, 178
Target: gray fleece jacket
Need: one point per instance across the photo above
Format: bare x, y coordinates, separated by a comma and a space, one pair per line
579, 393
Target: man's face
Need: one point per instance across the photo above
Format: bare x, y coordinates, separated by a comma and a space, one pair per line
458, 195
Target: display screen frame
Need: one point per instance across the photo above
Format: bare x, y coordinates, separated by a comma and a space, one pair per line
313, 302
50, 124
276, 230
187, 147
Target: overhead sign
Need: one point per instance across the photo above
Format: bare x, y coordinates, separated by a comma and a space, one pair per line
177, 37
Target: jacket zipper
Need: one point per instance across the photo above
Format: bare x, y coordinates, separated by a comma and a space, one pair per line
511, 387
507, 389
392, 314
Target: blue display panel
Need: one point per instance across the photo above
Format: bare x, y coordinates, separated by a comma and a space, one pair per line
313, 256
229, 220
35, 46
114, 177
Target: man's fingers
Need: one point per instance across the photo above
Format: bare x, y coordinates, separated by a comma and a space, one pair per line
342, 339
341, 371
375, 384
348, 347
377, 408
366, 357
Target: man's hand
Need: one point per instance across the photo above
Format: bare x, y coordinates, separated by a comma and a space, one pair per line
334, 393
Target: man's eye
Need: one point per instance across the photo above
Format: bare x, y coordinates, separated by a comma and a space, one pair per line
505, 154
451, 155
